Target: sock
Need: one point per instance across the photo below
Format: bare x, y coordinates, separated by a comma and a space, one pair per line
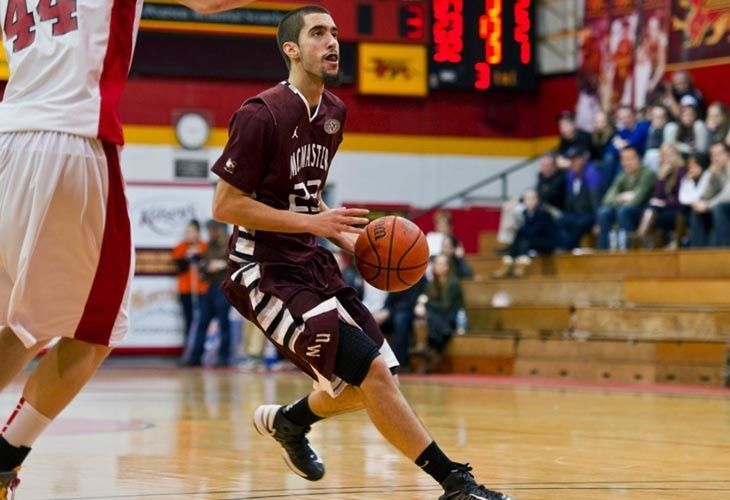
24, 425
11, 456
300, 413
434, 462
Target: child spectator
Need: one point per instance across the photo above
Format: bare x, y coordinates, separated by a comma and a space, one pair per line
664, 206
625, 200
536, 235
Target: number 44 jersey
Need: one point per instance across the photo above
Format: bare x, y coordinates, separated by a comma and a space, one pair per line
69, 61
280, 151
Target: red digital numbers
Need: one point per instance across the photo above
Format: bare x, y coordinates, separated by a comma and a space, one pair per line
415, 22
522, 30
448, 31
21, 25
490, 30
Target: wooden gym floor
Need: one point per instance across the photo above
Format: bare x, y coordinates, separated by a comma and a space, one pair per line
164, 433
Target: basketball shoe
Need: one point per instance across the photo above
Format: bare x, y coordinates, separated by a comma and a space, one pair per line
301, 458
8, 482
461, 485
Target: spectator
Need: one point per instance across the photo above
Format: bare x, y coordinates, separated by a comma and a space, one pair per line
583, 197
661, 131
681, 86
717, 122
629, 132
536, 235
443, 227
190, 286
692, 135
710, 218
457, 262
625, 200
350, 274
551, 181
440, 305
396, 320
213, 304
551, 184
691, 188
664, 206
570, 135
601, 136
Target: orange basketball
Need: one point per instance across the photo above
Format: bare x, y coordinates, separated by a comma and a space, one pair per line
391, 253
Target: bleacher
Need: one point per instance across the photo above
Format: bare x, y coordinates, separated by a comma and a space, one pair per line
638, 316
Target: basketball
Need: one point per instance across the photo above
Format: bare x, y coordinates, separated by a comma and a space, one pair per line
391, 253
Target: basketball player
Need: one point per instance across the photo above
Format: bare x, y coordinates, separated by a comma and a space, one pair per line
65, 251
273, 171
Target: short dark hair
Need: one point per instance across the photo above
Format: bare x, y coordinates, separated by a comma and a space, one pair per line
701, 159
194, 223
290, 26
631, 148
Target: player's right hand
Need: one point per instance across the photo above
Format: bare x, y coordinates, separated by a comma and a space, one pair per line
334, 222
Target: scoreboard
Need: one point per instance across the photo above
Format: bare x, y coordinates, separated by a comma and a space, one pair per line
483, 44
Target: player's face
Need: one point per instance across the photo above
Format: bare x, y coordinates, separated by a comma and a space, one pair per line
320, 49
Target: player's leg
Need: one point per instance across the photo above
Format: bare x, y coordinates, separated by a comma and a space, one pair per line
57, 379
14, 356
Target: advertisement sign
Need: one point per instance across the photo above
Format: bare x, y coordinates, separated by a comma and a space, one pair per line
392, 69
160, 212
156, 317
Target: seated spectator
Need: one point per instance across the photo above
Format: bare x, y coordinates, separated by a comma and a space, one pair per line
443, 227
691, 188
457, 262
570, 135
536, 235
710, 217
661, 131
717, 122
664, 206
692, 135
551, 181
584, 189
439, 305
396, 320
601, 136
681, 86
629, 132
625, 200
551, 185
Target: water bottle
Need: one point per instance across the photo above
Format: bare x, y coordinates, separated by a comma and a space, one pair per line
461, 322
612, 240
623, 238
270, 355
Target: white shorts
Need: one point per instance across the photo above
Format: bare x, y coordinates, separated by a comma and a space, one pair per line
66, 257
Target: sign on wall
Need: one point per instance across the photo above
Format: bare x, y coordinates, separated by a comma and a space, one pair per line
700, 30
392, 69
160, 212
156, 318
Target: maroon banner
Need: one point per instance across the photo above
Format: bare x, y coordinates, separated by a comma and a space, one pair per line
700, 30
651, 52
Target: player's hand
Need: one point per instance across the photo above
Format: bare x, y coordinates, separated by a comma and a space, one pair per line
338, 221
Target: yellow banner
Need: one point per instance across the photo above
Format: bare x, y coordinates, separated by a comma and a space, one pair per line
391, 69
4, 68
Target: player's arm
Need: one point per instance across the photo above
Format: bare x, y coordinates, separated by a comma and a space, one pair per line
213, 6
233, 206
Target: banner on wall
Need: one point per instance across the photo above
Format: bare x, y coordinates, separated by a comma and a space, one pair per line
155, 316
4, 68
700, 30
651, 52
392, 69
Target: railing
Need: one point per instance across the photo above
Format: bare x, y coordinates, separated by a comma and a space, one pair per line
498, 177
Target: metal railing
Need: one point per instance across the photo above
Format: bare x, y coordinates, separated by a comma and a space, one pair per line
501, 177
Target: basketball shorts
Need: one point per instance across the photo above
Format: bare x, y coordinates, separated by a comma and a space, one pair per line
66, 257
299, 308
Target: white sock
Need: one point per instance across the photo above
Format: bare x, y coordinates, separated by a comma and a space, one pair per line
24, 425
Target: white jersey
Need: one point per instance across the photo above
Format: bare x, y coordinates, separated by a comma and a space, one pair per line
69, 61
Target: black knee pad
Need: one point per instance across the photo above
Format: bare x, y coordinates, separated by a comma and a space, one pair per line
355, 353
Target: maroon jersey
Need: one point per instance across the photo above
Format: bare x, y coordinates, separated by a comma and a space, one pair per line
280, 152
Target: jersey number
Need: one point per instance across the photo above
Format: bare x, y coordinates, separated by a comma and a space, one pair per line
20, 23
305, 197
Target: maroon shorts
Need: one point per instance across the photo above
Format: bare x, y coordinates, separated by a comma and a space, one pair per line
299, 308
